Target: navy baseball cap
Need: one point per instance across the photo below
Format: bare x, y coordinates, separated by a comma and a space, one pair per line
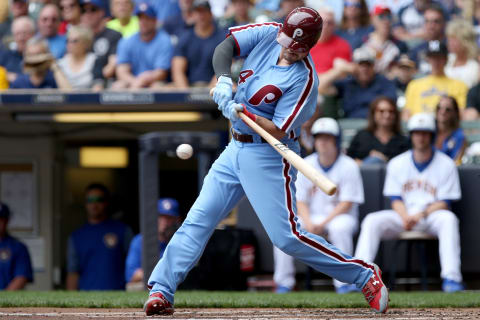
145, 8
4, 211
168, 206
436, 47
102, 4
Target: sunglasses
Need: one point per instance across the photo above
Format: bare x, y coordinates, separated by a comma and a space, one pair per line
74, 40
96, 199
434, 21
385, 16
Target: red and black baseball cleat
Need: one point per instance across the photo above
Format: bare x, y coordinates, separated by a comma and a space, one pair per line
375, 291
157, 305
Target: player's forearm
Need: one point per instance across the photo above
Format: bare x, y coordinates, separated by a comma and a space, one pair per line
438, 205
18, 283
340, 208
399, 207
270, 127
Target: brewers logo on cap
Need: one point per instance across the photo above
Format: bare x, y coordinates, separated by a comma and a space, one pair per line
110, 240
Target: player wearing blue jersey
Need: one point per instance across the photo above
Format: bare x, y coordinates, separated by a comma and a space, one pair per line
277, 89
15, 263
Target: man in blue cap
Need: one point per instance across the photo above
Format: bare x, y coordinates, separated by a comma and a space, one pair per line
15, 263
168, 222
95, 14
143, 60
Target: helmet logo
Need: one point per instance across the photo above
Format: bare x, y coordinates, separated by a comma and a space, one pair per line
297, 33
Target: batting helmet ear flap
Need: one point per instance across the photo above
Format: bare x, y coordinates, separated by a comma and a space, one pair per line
300, 30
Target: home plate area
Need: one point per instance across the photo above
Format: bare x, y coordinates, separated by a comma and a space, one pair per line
253, 313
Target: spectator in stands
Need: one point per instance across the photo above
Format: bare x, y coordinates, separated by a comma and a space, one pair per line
386, 48
15, 264
329, 46
355, 25
434, 17
124, 21
71, 14
105, 40
97, 250
472, 111
449, 137
286, 6
357, 83
421, 196
37, 64
176, 25
168, 222
382, 139
78, 63
23, 28
144, 58
411, 21
164, 9
423, 94
403, 71
333, 216
462, 61
48, 23
17, 8
238, 14
192, 61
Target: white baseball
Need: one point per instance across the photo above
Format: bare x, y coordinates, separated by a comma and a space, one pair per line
184, 151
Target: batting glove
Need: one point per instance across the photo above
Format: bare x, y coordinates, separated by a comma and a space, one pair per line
230, 111
222, 93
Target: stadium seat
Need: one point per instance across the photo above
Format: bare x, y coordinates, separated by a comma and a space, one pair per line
411, 238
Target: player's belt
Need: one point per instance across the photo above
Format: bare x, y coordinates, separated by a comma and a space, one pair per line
246, 138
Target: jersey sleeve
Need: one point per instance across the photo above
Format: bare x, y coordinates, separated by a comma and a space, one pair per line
449, 189
164, 58
23, 264
351, 187
248, 36
393, 186
298, 104
123, 54
134, 258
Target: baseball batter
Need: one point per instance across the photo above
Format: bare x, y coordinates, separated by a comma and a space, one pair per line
421, 183
333, 216
277, 89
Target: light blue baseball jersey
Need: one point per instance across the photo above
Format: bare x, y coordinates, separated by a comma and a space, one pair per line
286, 95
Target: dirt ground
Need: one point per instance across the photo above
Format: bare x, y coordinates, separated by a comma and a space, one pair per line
259, 314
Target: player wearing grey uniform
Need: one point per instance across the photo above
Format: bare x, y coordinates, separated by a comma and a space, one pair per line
421, 184
277, 89
333, 216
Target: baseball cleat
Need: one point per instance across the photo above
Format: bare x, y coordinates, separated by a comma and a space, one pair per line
157, 305
376, 292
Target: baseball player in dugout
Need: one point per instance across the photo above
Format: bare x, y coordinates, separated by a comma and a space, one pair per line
333, 216
277, 89
421, 183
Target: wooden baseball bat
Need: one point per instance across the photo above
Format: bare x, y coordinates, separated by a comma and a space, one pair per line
298, 162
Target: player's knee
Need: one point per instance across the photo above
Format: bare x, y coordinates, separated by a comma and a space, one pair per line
449, 218
369, 221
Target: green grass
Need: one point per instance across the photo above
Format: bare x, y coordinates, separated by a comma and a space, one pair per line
217, 299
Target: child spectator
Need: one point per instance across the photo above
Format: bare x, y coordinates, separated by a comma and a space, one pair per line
71, 14
124, 21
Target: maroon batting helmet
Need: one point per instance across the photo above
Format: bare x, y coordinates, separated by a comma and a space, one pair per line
301, 29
